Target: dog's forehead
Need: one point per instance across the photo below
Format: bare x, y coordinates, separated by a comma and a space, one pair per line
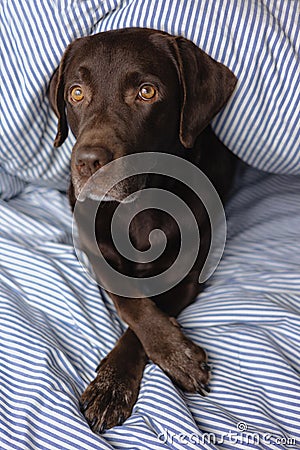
123, 51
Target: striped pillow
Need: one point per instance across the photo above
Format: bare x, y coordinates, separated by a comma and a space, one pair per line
258, 40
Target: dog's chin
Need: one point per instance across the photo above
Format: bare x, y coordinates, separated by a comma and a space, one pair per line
92, 192
108, 198
101, 190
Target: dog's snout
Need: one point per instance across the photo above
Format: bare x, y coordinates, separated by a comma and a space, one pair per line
90, 159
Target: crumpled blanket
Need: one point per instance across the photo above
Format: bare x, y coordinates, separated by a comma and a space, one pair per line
55, 326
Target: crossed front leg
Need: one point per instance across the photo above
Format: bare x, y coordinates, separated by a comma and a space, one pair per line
152, 334
109, 398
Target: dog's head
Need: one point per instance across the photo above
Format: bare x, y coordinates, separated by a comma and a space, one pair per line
131, 91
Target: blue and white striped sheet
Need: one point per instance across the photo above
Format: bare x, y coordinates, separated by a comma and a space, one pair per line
54, 324
55, 327
258, 40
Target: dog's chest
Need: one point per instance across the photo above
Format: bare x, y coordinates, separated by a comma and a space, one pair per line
151, 242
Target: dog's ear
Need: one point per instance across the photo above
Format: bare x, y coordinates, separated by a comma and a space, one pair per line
57, 101
206, 84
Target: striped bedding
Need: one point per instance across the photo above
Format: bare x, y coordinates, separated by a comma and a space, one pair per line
55, 325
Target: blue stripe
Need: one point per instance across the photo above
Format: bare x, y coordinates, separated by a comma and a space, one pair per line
194, 26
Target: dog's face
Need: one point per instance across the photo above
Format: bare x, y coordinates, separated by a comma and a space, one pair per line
131, 91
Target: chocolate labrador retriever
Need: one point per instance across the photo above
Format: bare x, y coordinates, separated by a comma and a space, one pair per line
125, 92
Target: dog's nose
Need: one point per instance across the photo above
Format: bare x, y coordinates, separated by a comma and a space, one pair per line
90, 159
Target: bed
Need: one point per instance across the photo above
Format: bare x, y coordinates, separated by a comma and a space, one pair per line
55, 324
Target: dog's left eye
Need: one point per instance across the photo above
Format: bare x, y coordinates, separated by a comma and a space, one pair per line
147, 92
76, 94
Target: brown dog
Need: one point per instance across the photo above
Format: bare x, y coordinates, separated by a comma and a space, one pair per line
124, 92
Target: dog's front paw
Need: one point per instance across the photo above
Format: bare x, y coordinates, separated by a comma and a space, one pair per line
109, 398
187, 367
182, 360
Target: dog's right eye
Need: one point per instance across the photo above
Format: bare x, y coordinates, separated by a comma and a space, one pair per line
76, 94
147, 92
